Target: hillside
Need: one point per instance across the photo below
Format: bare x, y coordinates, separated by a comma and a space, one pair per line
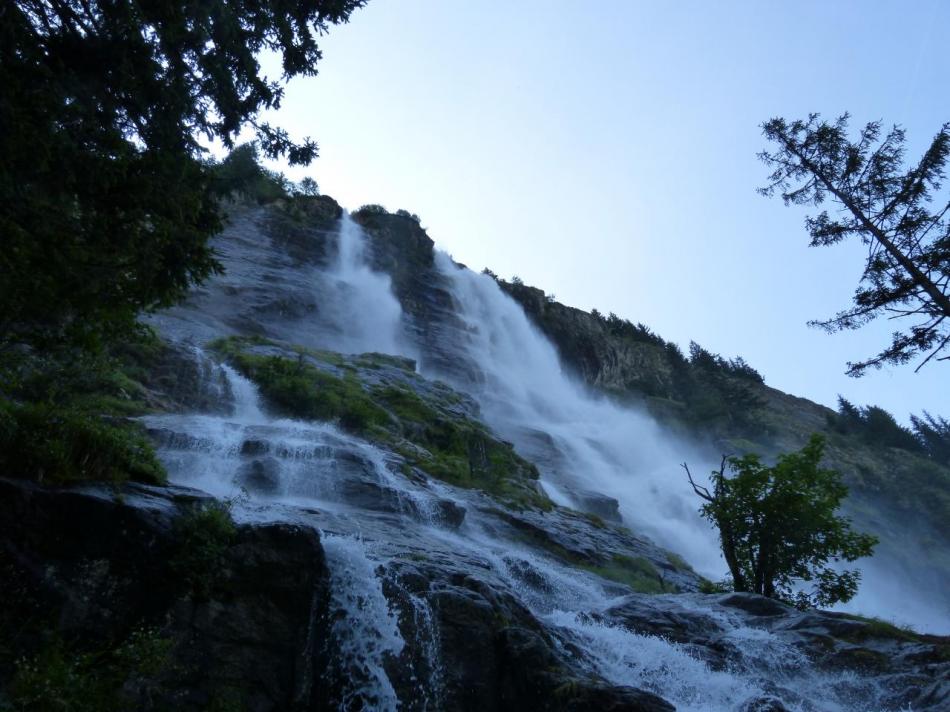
370, 485
730, 407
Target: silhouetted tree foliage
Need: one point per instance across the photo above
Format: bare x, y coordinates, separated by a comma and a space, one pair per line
874, 425
373, 209
778, 528
899, 213
105, 205
627, 330
715, 388
933, 433
240, 174
308, 186
712, 387
928, 435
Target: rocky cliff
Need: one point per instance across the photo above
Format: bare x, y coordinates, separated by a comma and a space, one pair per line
420, 529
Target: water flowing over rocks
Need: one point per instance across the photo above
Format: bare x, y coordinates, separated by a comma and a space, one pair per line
427, 515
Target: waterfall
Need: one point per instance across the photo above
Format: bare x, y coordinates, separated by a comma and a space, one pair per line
580, 442
365, 627
380, 524
356, 309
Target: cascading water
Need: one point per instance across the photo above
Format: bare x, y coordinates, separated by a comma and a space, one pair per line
365, 628
356, 309
378, 523
579, 442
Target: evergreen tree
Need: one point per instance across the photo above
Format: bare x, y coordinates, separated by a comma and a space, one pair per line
105, 204
899, 213
933, 433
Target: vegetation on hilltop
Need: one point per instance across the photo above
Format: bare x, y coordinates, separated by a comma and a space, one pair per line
697, 389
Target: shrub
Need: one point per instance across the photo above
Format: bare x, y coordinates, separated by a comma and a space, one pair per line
777, 527
304, 391
203, 535
62, 677
57, 444
372, 209
308, 186
240, 174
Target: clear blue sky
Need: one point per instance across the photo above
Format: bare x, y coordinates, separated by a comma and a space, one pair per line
606, 153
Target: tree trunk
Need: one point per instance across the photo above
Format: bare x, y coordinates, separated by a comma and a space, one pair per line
729, 552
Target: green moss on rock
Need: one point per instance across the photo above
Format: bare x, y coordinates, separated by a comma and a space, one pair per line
59, 445
636, 572
380, 397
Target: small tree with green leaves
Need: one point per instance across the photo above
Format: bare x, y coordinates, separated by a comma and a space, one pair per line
778, 528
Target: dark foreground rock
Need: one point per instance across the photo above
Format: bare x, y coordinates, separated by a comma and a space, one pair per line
95, 568
241, 620
145, 610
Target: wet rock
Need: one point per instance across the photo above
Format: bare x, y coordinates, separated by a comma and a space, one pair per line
755, 605
261, 476
449, 513
665, 617
255, 447
534, 678
101, 562
600, 505
764, 704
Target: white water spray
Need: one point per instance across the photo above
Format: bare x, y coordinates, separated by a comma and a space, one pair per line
357, 311
365, 628
580, 442
577, 440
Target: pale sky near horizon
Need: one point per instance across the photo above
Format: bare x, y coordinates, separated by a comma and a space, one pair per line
606, 152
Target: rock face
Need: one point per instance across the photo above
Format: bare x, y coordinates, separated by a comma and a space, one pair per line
100, 564
346, 533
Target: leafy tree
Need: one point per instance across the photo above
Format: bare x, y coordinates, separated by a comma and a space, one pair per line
373, 209
777, 527
308, 186
105, 205
241, 174
899, 213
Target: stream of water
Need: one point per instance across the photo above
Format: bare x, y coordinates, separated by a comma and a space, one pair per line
370, 515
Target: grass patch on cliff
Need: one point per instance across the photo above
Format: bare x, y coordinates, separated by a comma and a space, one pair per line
446, 446
54, 444
64, 414
637, 572
300, 390
878, 628
461, 451
204, 533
